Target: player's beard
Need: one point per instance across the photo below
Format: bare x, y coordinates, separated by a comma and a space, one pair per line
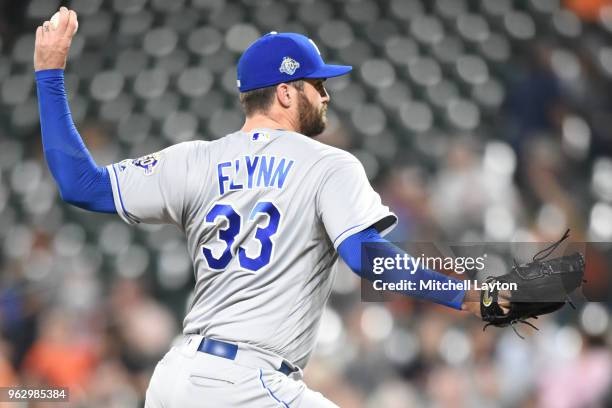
312, 120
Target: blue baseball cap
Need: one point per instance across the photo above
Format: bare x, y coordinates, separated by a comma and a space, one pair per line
283, 57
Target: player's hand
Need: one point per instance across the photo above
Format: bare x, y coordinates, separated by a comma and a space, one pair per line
504, 300
471, 302
53, 42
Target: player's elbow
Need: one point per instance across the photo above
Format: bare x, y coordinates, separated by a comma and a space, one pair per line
92, 192
71, 196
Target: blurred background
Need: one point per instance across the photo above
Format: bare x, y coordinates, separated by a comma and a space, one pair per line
476, 120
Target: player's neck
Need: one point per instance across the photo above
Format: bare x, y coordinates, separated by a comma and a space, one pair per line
258, 121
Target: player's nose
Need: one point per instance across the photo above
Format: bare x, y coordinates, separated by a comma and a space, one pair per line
325, 98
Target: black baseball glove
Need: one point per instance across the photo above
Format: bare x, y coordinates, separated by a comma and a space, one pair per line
542, 286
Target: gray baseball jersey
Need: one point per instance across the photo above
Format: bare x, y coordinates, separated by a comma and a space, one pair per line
263, 213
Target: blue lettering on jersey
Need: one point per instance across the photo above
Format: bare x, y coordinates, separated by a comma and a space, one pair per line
236, 186
222, 178
265, 171
270, 171
251, 166
281, 173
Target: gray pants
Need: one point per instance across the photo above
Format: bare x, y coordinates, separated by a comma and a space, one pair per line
187, 378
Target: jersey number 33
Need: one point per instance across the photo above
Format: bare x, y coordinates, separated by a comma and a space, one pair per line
234, 223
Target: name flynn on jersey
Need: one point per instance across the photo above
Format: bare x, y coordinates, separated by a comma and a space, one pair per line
249, 172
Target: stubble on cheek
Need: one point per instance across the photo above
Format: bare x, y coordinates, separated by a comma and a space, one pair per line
312, 119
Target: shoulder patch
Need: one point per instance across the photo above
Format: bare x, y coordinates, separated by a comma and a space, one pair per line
123, 165
147, 163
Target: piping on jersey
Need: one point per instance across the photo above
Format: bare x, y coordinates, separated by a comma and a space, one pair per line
270, 391
125, 213
348, 229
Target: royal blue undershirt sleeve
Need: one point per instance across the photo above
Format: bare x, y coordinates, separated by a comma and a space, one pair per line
350, 251
80, 180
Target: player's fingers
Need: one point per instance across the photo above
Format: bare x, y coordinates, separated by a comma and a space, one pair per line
39, 33
503, 300
45, 29
72, 22
62, 25
504, 295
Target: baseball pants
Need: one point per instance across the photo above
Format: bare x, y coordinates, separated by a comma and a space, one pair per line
188, 378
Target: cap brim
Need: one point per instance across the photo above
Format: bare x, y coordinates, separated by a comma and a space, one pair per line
330, 71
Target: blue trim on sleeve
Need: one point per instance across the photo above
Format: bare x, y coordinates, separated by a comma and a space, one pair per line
126, 214
348, 229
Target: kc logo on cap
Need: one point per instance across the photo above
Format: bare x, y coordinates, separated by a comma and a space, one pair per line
289, 66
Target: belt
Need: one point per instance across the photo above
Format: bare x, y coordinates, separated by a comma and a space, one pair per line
227, 350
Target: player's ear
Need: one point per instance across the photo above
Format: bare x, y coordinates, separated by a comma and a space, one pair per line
284, 95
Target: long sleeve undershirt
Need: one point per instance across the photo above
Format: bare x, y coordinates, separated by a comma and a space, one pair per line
350, 251
80, 180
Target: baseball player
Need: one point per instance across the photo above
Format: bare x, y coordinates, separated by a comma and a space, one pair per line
266, 210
